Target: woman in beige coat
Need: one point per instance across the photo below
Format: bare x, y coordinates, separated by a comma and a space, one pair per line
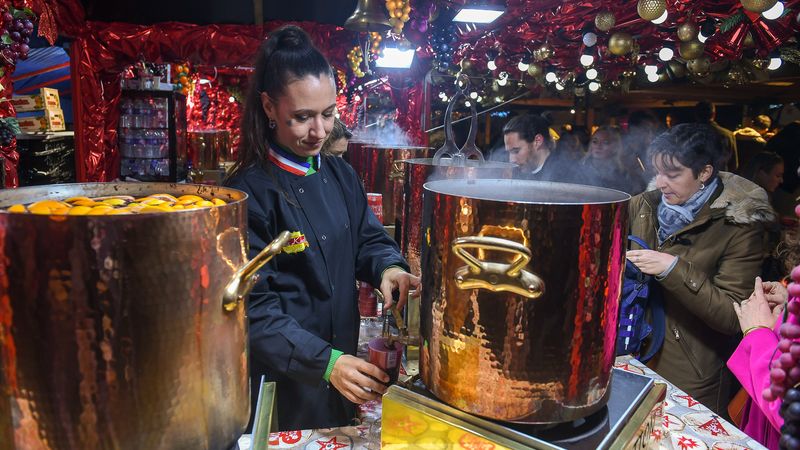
706, 229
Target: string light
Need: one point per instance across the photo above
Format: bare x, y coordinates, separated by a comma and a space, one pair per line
591, 74
551, 77
775, 12
594, 86
661, 19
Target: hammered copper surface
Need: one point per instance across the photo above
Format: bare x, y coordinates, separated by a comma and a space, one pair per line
378, 170
418, 171
112, 331
501, 355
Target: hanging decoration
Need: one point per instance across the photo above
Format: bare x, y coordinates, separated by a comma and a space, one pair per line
181, 78
355, 57
442, 39
16, 28
651, 9
691, 49
605, 20
758, 6
687, 31
700, 66
399, 14
620, 44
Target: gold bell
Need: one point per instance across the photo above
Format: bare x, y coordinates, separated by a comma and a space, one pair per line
370, 15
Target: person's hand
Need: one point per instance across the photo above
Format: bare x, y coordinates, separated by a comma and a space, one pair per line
357, 379
650, 262
775, 293
399, 279
754, 311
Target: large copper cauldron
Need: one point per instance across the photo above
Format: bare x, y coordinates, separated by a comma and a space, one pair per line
124, 331
520, 294
377, 168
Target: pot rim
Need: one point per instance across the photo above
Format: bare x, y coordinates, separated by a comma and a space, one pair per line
512, 191
471, 163
378, 146
30, 194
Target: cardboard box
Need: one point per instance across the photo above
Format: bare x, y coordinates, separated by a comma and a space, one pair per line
47, 98
45, 120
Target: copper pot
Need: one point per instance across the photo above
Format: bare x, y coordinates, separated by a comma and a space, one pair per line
520, 296
125, 331
376, 168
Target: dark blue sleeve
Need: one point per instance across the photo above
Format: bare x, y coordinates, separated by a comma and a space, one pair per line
375, 250
276, 339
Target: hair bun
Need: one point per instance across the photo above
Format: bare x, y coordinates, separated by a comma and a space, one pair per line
290, 37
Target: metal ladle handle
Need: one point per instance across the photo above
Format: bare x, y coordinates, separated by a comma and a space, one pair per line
245, 278
470, 150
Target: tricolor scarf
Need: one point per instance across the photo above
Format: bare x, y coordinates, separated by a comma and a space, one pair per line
671, 218
292, 163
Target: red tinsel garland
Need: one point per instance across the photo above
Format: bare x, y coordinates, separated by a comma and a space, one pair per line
103, 50
221, 113
9, 152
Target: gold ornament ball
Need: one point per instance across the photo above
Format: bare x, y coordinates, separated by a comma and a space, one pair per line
692, 49
677, 69
700, 67
737, 75
760, 63
651, 9
758, 6
466, 65
605, 20
620, 44
543, 53
687, 31
535, 70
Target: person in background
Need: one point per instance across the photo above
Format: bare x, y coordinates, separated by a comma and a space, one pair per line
602, 166
303, 314
707, 227
762, 124
766, 170
785, 144
570, 146
529, 144
759, 318
706, 113
336, 144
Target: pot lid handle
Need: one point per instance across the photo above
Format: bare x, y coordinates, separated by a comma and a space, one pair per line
449, 149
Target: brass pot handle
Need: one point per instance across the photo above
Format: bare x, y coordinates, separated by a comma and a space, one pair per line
494, 276
245, 278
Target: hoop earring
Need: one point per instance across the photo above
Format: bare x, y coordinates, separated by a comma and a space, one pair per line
702, 185
272, 124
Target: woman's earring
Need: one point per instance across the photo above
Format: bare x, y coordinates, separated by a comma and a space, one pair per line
702, 185
272, 124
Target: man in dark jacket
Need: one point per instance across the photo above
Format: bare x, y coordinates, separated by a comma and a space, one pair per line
528, 143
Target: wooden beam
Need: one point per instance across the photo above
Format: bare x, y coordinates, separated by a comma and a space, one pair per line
258, 12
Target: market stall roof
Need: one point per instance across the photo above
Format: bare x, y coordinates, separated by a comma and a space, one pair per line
213, 11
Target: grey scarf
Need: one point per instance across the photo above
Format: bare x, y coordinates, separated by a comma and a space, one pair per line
671, 218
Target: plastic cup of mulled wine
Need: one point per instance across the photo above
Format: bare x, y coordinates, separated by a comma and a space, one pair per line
385, 357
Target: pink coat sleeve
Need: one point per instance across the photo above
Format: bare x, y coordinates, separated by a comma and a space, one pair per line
750, 363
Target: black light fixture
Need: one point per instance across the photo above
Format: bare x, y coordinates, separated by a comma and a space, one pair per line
524, 62
707, 30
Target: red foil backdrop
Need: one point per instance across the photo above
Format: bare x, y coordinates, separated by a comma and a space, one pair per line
102, 50
9, 152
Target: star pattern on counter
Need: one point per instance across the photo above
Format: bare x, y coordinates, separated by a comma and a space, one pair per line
714, 426
332, 444
686, 443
